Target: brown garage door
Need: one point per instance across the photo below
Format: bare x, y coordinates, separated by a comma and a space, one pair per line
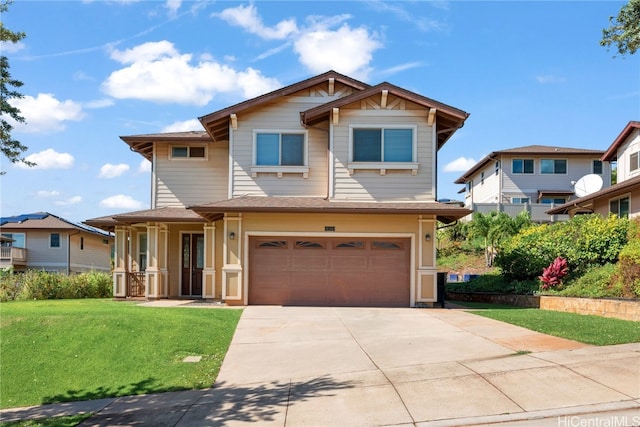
329, 271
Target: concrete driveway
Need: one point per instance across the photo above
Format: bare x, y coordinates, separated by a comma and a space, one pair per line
307, 366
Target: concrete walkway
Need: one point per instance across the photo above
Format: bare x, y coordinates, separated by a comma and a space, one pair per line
307, 366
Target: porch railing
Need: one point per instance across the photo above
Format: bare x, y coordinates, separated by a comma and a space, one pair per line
10, 255
537, 211
136, 284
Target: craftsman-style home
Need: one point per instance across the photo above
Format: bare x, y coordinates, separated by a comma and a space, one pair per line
319, 193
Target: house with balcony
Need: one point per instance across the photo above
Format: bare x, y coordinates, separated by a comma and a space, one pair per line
43, 241
534, 178
623, 198
320, 193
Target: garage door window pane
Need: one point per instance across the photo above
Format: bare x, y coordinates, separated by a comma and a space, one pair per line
306, 245
385, 245
352, 245
273, 244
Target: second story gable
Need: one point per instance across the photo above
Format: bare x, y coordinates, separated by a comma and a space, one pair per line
625, 151
329, 136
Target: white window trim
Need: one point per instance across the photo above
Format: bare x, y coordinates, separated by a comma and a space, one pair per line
383, 166
59, 241
617, 199
554, 166
280, 170
637, 168
593, 168
188, 158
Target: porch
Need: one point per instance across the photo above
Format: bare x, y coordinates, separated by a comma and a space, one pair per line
13, 257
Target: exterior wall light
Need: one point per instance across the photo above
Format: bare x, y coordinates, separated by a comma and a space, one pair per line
427, 237
232, 235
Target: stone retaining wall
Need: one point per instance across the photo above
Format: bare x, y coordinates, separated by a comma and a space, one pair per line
620, 309
616, 308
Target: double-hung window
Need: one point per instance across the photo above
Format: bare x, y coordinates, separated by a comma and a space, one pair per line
553, 166
634, 161
522, 166
54, 240
188, 152
597, 167
280, 149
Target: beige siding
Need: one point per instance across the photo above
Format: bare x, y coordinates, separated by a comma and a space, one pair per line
95, 256
185, 182
394, 185
283, 116
42, 257
631, 145
487, 192
601, 205
516, 185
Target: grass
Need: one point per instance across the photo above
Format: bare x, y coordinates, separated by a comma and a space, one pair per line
588, 329
70, 421
68, 350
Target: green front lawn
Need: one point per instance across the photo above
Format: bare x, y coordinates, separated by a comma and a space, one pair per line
66, 350
578, 327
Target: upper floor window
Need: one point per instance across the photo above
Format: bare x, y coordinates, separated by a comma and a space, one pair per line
188, 152
522, 166
519, 200
554, 200
553, 166
383, 144
16, 240
619, 207
497, 167
634, 161
482, 178
82, 243
597, 167
54, 240
280, 149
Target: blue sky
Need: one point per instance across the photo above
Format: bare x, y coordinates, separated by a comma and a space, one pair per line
527, 72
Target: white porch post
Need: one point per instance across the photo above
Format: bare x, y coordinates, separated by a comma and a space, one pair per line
209, 271
163, 261
120, 262
153, 277
232, 256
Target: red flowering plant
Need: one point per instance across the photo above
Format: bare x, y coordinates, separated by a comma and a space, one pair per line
552, 275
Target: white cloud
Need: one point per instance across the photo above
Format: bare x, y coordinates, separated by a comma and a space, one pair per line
109, 171
461, 164
185, 126
346, 50
48, 159
173, 6
9, 47
421, 22
100, 103
547, 79
144, 166
70, 201
45, 113
120, 201
156, 71
44, 193
247, 18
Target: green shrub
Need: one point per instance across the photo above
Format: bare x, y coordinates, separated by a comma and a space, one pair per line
628, 274
40, 285
595, 283
584, 241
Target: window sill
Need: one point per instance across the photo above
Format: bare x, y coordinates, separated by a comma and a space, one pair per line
383, 166
280, 170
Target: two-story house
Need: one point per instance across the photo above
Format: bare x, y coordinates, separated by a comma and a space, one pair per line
319, 193
532, 178
623, 198
42, 241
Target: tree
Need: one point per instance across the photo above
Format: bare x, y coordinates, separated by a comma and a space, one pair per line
11, 148
494, 227
624, 30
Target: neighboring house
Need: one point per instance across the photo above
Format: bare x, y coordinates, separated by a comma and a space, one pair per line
532, 178
42, 241
623, 198
319, 193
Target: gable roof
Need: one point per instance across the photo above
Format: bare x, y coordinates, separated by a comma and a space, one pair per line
449, 118
527, 150
582, 204
217, 123
612, 151
46, 221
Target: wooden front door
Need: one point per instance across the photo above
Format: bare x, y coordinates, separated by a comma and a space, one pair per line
192, 264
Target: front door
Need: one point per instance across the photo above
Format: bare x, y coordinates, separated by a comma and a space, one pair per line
192, 264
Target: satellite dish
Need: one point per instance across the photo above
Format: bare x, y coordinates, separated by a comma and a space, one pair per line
588, 184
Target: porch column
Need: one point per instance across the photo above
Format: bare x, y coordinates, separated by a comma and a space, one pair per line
426, 278
209, 271
232, 255
163, 261
120, 262
152, 273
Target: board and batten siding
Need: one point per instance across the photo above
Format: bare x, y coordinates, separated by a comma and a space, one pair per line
185, 182
283, 116
394, 185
